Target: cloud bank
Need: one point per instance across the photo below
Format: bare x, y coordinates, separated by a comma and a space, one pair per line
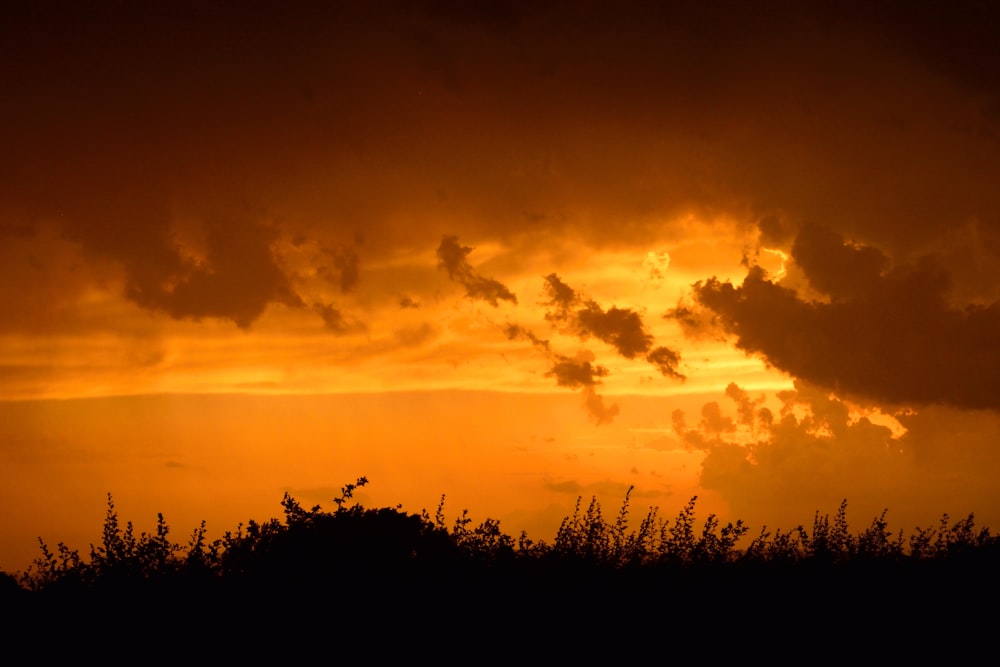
879, 331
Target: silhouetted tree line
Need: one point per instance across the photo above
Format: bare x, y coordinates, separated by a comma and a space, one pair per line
355, 564
318, 544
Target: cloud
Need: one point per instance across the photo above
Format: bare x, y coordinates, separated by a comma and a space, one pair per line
238, 280
581, 373
666, 361
415, 336
881, 332
562, 297
599, 412
431, 124
335, 320
841, 270
578, 372
621, 328
514, 331
452, 257
818, 450
607, 489
345, 271
804, 460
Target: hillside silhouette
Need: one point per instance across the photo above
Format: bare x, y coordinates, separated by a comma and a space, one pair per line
380, 581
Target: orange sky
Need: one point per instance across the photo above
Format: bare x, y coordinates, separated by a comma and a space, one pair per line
512, 252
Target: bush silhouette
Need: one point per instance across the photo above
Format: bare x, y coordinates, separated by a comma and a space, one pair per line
355, 565
315, 545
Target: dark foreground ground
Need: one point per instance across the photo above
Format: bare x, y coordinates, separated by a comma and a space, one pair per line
809, 616
379, 585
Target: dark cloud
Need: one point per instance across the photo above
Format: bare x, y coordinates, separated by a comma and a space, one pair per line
345, 271
666, 361
579, 372
515, 331
631, 114
403, 120
747, 409
570, 486
408, 302
695, 322
582, 373
606, 489
815, 452
452, 257
562, 298
399, 118
621, 328
335, 320
841, 270
775, 231
415, 336
713, 422
884, 334
239, 277
808, 459
599, 412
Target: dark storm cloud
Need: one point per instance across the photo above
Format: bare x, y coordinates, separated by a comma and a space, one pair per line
240, 279
520, 120
452, 257
885, 333
237, 278
841, 270
621, 328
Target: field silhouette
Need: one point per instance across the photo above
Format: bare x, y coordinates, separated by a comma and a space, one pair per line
358, 582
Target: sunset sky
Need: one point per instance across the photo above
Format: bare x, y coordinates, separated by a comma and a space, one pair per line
511, 252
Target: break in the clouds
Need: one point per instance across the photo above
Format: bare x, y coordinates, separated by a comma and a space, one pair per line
877, 330
621, 328
452, 258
